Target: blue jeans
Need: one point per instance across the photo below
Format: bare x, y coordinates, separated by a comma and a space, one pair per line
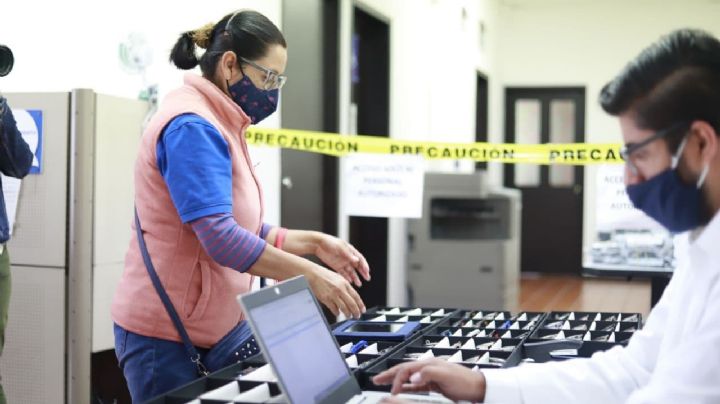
152, 366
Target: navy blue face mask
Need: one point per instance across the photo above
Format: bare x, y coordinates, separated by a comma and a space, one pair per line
256, 103
670, 201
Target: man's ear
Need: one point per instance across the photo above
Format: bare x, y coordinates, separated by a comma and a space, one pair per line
708, 139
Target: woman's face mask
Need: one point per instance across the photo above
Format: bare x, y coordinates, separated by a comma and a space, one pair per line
256, 103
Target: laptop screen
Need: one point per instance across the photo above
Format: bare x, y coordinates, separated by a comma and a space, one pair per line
300, 347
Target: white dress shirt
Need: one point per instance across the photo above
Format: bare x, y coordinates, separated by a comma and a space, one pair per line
675, 358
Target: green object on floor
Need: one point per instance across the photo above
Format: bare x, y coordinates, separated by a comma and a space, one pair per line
5, 289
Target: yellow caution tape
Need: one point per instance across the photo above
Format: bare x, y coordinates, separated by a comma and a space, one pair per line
334, 144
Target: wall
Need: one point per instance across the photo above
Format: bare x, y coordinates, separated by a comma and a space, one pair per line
436, 52
585, 43
435, 55
61, 45
432, 73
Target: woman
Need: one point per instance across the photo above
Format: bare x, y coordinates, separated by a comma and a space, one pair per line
200, 208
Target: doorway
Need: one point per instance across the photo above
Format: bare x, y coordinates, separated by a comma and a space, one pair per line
308, 193
371, 95
552, 196
481, 115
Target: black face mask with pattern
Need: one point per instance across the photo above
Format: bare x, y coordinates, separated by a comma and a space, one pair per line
256, 103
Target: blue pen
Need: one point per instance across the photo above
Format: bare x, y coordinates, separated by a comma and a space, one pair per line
358, 346
506, 325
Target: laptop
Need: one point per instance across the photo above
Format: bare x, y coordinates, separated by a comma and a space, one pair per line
297, 343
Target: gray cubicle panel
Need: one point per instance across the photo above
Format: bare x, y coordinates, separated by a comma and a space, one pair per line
67, 251
33, 362
42, 207
105, 133
118, 127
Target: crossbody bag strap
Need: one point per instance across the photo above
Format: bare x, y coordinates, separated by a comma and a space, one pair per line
194, 355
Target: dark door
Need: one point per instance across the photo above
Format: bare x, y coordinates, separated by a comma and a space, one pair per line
552, 196
309, 181
308, 197
371, 95
481, 114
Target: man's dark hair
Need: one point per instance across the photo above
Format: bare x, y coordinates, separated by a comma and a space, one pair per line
674, 80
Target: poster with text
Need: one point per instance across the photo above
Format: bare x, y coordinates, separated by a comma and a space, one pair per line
383, 186
29, 123
624, 237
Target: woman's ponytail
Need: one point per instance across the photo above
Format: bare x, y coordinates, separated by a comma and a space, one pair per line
183, 53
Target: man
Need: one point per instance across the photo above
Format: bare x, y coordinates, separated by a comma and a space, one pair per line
668, 103
15, 161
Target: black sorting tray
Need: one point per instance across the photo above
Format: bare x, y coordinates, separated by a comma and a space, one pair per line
458, 346
427, 317
464, 343
424, 311
506, 339
582, 332
196, 388
573, 323
467, 358
365, 359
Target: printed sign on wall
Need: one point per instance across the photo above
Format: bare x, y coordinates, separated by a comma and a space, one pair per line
383, 186
625, 236
29, 123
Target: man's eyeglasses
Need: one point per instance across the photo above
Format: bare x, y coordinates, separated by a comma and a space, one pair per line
627, 152
273, 80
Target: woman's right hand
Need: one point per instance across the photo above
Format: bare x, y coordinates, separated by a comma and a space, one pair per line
335, 292
329, 288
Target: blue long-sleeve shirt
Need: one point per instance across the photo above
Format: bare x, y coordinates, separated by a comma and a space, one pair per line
194, 160
15, 159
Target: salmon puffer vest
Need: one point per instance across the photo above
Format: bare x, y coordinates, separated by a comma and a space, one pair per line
202, 291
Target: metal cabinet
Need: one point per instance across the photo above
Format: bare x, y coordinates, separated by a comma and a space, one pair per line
464, 251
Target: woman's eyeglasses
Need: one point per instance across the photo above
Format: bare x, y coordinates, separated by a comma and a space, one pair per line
273, 80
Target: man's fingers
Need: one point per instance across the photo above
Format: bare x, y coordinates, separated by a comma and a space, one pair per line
388, 376
394, 400
401, 378
385, 377
403, 375
415, 388
431, 375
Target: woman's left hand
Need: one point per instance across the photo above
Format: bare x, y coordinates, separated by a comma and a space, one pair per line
343, 258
